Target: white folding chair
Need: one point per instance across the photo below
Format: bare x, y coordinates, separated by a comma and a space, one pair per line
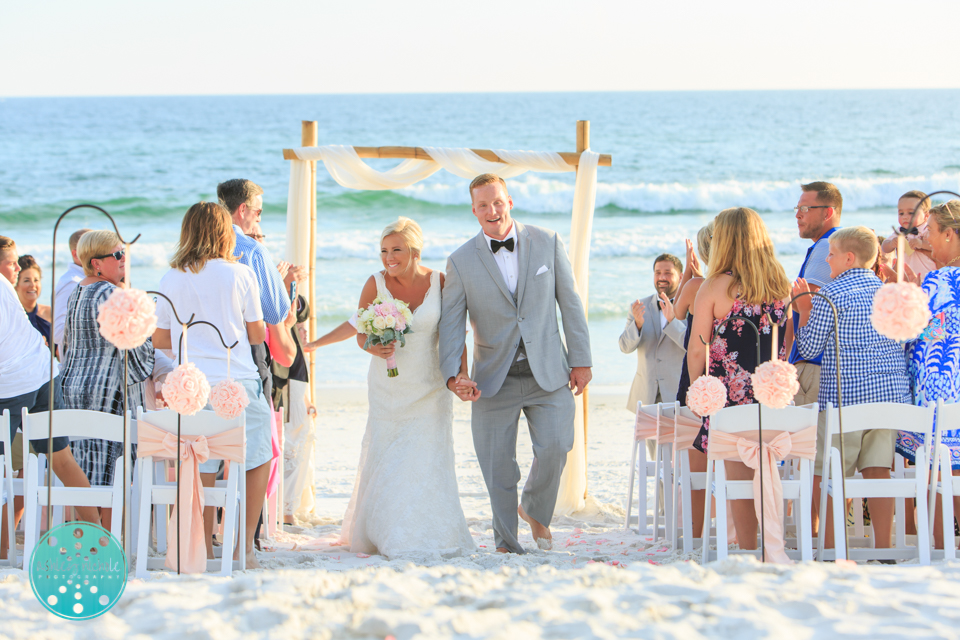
661, 468
155, 489
888, 416
745, 421
12, 487
68, 423
948, 485
686, 425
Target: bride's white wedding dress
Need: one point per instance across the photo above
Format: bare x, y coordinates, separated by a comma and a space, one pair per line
405, 500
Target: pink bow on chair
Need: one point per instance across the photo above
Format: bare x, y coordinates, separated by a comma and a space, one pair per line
648, 426
802, 444
687, 431
194, 450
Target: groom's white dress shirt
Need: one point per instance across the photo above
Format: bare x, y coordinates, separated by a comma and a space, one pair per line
507, 260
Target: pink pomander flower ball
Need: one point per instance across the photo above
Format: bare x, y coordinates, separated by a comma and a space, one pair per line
901, 311
186, 389
775, 383
706, 395
127, 318
228, 398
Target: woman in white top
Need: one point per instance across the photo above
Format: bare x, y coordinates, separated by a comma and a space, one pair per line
207, 281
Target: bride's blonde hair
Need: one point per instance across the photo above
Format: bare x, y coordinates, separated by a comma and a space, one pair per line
409, 230
742, 247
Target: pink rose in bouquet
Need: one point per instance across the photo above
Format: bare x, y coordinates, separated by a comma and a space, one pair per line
901, 311
385, 322
186, 389
127, 318
706, 396
775, 383
228, 398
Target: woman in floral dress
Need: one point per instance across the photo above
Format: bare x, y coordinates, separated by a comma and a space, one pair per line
745, 280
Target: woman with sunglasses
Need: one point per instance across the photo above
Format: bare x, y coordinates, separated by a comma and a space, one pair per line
92, 372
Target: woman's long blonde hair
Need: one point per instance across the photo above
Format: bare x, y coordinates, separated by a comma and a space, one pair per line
206, 234
742, 247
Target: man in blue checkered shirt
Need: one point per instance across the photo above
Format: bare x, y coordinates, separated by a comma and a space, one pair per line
873, 368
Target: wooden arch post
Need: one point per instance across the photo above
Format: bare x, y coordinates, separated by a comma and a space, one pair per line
583, 143
308, 138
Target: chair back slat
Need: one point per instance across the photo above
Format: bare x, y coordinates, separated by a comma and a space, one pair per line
746, 418
75, 423
890, 416
202, 423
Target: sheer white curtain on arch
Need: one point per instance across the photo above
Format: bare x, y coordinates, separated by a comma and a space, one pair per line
350, 171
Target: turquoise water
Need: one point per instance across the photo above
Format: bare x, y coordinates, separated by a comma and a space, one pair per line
678, 158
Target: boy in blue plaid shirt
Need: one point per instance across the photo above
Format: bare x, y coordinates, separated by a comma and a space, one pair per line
873, 368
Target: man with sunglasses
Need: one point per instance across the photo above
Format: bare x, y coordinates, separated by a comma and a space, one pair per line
818, 216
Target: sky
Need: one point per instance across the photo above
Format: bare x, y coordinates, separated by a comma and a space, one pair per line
204, 47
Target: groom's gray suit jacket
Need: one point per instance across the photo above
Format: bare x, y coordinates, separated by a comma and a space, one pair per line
474, 284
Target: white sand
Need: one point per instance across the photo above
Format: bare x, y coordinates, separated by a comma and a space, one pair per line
599, 581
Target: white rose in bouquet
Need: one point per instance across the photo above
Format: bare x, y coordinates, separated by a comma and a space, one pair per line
380, 323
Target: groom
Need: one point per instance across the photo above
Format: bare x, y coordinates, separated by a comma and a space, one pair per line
511, 278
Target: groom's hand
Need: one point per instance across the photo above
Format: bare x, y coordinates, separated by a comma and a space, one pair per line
580, 377
464, 388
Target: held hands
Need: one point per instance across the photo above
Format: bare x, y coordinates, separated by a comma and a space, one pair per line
804, 304
464, 388
667, 307
636, 310
580, 377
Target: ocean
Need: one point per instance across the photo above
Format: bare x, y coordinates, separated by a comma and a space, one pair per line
678, 159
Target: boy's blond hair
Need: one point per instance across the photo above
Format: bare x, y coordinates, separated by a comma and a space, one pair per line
860, 241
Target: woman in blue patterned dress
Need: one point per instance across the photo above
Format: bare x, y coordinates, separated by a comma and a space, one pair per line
934, 357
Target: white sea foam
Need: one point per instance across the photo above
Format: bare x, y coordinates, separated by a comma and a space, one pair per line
548, 195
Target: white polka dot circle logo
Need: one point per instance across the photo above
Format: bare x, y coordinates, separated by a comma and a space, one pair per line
78, 571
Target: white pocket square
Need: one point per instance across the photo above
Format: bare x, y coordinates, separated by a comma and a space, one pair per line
542, 269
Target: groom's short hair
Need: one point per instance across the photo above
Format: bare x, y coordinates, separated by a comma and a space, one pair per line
666, 257
484, 179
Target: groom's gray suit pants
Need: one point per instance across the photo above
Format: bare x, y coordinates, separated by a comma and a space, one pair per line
494, 422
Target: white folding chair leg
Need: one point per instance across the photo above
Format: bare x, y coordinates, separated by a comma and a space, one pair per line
720, 473
116, 512
686, 503
923, 527
839, 506
804, 531
11, 532
657, 503
946, 502
633, 470
705, 535
231, 525
143, 517
824, 495
160, 511
31, 523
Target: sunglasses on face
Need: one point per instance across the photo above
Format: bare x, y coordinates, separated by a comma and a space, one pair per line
116, 254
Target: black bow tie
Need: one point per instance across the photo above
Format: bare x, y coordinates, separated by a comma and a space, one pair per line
910, 232
507, 244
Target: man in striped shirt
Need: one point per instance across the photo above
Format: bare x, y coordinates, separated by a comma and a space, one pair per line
873, 368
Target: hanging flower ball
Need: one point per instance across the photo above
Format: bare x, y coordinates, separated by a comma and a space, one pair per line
706, 396
186, 389
127, 318
228, 398
775, 383
901, 311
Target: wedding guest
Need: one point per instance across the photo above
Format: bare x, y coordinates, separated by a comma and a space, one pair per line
25, 383
818, 217
28, 290
934, 357
9, 267
207, 279
917, 255
654, 332
93, 368
744, 278
65, 286
689, 287
872, 367
884, 266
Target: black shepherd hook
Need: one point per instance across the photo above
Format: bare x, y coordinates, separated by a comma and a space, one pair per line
126, 419
826, 444
716, 334
189, 323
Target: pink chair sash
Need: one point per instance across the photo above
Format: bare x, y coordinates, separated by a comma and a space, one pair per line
687, 431
648, 427
194, 450
731, 446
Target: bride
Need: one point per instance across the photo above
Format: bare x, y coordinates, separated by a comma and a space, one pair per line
405, 499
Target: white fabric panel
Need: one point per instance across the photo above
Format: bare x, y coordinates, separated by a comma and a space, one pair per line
536, 160
573, 481
346, 167
466, 164
298, 214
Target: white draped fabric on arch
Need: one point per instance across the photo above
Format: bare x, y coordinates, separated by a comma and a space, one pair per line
350, 171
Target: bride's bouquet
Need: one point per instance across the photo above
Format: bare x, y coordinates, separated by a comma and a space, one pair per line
384, 322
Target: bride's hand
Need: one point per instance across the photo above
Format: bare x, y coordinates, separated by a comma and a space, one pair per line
464, 388
382, 351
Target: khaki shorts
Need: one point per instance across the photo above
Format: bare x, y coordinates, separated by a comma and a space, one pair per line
16, 456
808, 375
862, 450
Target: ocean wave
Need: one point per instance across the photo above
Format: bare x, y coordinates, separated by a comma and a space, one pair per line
536, 194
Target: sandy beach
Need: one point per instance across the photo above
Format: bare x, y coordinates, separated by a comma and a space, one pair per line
600, 581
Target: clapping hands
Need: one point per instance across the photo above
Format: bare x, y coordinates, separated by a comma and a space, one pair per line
693, 263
